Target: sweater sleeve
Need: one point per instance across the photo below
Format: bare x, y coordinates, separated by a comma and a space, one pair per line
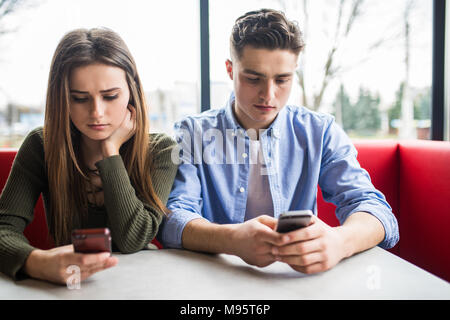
134, 223
26, 180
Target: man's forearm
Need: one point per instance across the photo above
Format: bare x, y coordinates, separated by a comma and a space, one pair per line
361, 231
202, 235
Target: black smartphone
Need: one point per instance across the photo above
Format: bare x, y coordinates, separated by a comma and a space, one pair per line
91, 240
293, 220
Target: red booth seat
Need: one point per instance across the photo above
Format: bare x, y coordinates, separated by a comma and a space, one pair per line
414, 176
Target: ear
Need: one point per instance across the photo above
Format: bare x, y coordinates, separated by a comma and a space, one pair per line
229, 66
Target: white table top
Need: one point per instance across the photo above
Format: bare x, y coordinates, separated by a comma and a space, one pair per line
180, 274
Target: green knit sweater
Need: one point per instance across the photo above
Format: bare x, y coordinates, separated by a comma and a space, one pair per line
133, 224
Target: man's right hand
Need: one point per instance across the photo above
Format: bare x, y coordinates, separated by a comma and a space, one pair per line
254, 239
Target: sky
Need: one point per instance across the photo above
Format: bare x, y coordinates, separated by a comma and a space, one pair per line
163, 37
163, 41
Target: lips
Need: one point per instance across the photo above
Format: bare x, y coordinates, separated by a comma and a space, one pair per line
264, 107
98, 126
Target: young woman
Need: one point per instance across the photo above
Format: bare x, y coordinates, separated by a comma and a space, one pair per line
94, 162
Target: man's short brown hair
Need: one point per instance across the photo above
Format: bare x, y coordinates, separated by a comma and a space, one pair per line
265, 29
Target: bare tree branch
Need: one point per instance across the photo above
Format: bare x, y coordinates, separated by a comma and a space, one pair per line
7, 7
330, 70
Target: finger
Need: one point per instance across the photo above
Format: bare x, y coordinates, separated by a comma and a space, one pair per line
268, 234
132, 118
298, 248
88, 271
132, 111
271, 222
271, 237
311, 269
265, 248
302, 260
87, 260
310, 232
63, 249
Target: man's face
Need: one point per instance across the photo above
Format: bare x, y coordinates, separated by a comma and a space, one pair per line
262, 81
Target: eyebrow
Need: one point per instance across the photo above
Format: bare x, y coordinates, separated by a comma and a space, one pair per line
102, 91
287, 74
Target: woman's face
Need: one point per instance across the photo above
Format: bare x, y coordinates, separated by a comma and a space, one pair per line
99, 97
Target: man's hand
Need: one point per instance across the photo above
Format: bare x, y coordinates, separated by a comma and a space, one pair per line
112, 144
315, 248
254, 239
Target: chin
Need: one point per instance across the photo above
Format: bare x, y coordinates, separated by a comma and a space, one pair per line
268, 118
96, 136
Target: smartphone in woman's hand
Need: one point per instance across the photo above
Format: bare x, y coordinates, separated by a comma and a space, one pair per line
91, 240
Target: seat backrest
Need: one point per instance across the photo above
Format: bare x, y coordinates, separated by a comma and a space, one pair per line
425, 205
36, 232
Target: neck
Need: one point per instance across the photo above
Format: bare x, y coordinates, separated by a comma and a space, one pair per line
252, 128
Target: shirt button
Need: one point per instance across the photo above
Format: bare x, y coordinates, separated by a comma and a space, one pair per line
241, 189
244, 155
276, 133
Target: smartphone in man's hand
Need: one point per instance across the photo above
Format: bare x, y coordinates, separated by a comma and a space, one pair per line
91, 240
293, 220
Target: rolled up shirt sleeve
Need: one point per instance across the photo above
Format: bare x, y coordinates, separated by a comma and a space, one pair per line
348, 186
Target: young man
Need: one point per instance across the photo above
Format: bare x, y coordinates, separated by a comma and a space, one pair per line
244, 165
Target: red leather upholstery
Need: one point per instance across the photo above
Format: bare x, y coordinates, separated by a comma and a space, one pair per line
424, 193
415, 178
37, 231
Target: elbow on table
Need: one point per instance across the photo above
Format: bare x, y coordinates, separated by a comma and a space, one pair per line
128, 248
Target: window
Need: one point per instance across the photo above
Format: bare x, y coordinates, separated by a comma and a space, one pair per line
162, 36
378, 84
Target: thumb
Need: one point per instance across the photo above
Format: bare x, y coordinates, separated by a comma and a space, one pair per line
271, 222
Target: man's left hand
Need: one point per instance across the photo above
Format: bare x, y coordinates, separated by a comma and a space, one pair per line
315, 248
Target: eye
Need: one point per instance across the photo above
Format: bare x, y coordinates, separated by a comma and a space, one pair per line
109, 98
281, 81
254, 80
79, 99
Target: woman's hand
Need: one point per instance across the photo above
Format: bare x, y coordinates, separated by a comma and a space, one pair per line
53, 265
112, 144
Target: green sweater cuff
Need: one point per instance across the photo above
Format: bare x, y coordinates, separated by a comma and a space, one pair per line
111, 163
14, 254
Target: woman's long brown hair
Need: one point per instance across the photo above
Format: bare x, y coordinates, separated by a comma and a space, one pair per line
68, 200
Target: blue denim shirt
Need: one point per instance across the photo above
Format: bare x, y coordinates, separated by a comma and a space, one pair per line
301, 149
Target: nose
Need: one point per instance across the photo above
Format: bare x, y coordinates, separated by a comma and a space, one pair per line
267, 92
97, 109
